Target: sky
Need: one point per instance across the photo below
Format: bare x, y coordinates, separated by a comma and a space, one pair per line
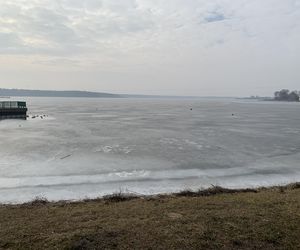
164, 47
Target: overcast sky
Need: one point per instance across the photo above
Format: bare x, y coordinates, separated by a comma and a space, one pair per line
175, 47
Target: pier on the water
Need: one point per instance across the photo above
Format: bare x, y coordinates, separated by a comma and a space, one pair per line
13, 110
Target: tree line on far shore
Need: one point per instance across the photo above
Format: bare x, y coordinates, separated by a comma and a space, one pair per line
286, 95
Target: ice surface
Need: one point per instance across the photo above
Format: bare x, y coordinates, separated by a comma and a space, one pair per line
91, 147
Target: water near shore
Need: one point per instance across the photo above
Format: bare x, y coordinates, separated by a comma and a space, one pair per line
91, 147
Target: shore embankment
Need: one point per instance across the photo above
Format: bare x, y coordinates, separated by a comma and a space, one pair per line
215, 218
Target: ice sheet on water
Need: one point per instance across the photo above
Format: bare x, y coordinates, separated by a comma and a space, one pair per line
91, 147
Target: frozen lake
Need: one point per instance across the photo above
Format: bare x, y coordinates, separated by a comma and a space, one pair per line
91, 147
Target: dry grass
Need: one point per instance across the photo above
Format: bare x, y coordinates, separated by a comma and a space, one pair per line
213, 191
214, 219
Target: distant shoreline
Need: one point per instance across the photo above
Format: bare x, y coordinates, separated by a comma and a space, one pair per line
89, 94
54, 93
264, 99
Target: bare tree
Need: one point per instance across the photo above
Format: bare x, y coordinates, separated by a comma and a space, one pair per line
286, 95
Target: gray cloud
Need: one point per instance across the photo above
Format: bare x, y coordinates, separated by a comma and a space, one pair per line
9, 41
214, 17
173, 44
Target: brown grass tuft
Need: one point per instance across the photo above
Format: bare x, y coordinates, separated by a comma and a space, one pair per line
119, 197
214, 190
